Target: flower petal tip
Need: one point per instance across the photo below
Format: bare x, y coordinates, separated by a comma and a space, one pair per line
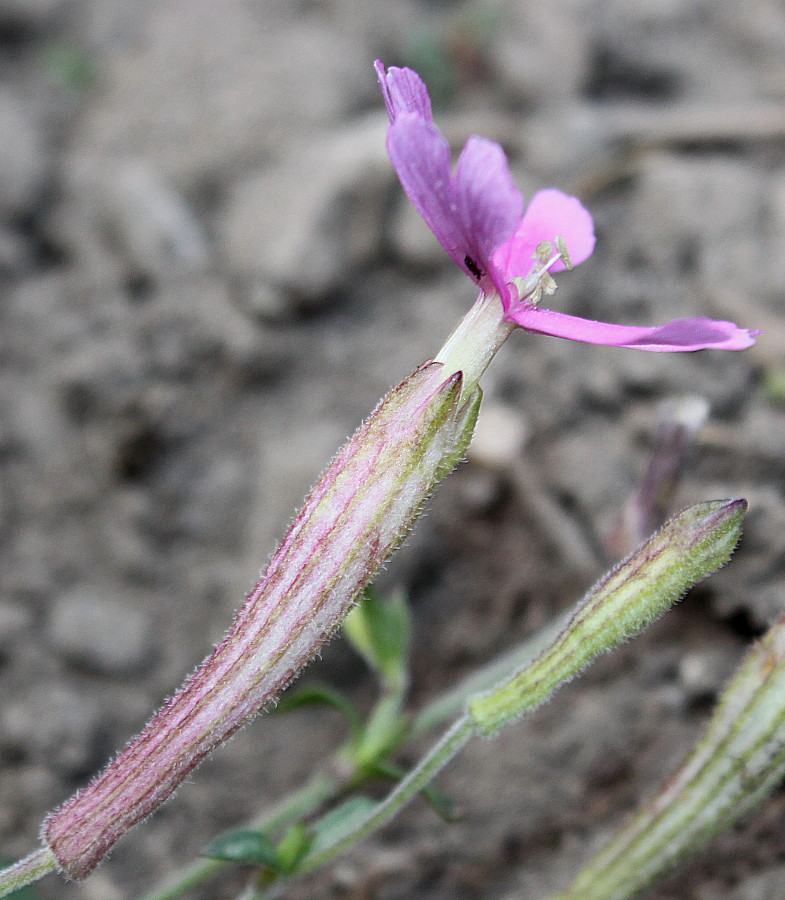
472, 211
678, 335
403, 91
696, 334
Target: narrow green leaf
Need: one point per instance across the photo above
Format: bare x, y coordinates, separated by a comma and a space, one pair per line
292, 848
383, 733
340, 820
379, 630
243, 846
441, 804
687, 548
326, 696
386, 770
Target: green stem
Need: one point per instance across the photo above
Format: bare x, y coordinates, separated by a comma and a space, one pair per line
313, 794
323, 787
453, 702
452, 742
475, 341
26, 871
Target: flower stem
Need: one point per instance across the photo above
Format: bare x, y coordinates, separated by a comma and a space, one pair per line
475, 341
315, 792
325, 786
451, 743
26, 871
688, 548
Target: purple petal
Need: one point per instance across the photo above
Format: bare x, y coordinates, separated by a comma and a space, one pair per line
471, 213
549, 214
403, 91
489, 206
677, 335
421, 159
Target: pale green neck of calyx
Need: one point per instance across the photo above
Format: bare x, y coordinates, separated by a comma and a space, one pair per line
476, 340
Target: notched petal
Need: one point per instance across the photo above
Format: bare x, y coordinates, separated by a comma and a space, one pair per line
403, 91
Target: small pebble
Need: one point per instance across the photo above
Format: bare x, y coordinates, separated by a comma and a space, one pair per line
55, 725
499, 437
103, 635
99, 886
703, 674
479, 489
153, 225
14, 621
23, 154
303, 236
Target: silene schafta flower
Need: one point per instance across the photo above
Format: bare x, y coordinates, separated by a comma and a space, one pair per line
371, 494
475, 212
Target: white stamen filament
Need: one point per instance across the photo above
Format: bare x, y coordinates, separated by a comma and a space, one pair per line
537, 281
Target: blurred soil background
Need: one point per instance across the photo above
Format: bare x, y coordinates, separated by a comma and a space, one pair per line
210, 275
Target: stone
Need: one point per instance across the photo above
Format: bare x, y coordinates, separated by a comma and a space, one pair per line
54, 724
704, 673
766, 885
413, 240
205, 88
304, 224
543, 53
131, 209
30, 13
91, 629
499, 437
24, 158
693, 220
15, 623
154, 225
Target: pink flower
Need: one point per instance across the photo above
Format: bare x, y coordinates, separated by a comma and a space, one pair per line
475, 212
